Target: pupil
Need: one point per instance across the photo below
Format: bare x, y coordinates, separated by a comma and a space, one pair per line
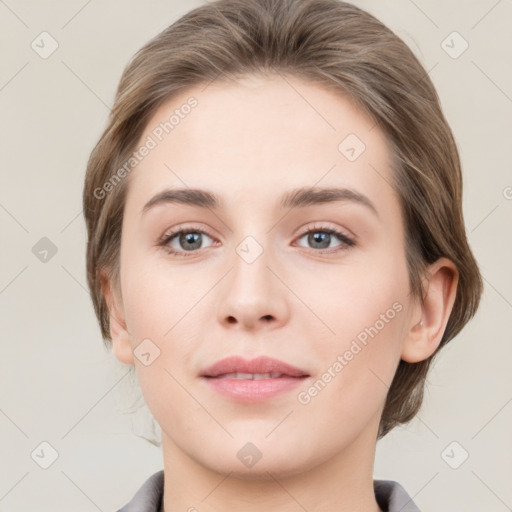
320, 237
191, 240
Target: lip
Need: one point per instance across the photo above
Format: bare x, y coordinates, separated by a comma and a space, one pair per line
249, 390
262, 364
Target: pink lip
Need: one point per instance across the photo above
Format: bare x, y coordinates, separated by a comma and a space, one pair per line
249, 390
261, 364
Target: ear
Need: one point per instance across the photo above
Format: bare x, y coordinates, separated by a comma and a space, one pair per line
429, 319
121, 345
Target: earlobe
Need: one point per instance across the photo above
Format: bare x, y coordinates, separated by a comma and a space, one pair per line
121, 345
429, 323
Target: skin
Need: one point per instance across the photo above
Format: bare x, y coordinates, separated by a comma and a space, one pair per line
250, 141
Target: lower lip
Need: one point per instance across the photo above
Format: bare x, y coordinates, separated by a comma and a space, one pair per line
248, 390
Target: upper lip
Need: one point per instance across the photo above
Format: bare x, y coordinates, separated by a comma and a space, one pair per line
262, 364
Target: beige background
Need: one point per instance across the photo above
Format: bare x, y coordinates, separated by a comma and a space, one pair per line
59, 385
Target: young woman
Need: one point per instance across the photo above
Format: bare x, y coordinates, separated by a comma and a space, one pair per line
276, 245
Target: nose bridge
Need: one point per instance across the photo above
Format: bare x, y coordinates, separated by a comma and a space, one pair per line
251, 294
251, 276
252, 253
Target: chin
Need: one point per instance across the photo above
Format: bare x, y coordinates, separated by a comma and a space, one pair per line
247, 462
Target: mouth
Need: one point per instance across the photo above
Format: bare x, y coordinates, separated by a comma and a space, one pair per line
252, 380
251, 376
262, 367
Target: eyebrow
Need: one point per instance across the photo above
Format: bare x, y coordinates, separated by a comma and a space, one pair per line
296, 198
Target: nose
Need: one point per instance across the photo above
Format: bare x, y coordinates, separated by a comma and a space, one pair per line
252, 296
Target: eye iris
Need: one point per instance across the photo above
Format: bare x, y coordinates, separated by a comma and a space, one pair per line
321, 237
185, 238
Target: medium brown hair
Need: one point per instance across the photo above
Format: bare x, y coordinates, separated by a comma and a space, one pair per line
341, 47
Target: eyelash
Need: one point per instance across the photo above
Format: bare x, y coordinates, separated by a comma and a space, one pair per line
168, 237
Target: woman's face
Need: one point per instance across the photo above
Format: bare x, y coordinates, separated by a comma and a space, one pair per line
251, 277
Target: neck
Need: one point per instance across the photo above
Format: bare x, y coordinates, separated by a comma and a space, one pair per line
343, 483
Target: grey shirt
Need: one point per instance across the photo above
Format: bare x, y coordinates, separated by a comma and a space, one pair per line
390, 496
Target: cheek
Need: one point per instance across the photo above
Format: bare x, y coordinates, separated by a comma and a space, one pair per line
163, 305
153, 294
356, 371
353, 298
366, 309
158, 310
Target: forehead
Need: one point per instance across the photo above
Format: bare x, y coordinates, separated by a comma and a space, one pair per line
257, 137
